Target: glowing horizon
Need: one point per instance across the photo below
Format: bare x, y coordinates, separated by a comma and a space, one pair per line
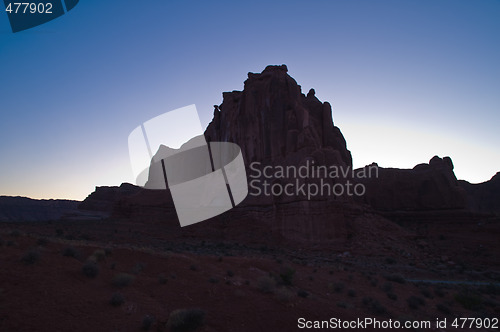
406, 81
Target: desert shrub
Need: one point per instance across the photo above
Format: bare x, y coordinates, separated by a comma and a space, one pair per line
395, 278
374, 306
117, 299
414, 302
351, 293
337, 287
439, 291
286, 276
99, 255
42, 242
342, 305
426, 293
59, 232
184, 320
147, 322
443, 308
31, 257
392, 296
90, 269
284, 295
387, 287
193, 267
374, 282
2, 242
85, 237
469, 300
122, 280
138, 268
490, 289
302, 293
390, 260
266, 284
11, 243
15, 233
230, 273
71, 252
213, 280
162, 279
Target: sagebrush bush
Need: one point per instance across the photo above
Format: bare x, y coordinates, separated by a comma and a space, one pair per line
374, 306
284, 295
31, 257
99, 254
286, 276
302, 293
443, 308
337, 287
395, 278
90, 269
266, 284
122, 279
414, 302
184, 320
138, 268
117, 299
469, 300
71, 252
162, 279
147, 322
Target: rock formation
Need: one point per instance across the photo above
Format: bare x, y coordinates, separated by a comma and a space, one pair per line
483, 197
26, 209
273, 121
431, 186
275, 124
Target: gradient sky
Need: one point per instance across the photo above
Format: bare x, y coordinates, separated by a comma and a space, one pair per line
407, 80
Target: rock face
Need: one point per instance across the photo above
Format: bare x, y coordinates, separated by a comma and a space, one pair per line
273, 121
483, 197
275, 124
431, 186
26, 209
104, 199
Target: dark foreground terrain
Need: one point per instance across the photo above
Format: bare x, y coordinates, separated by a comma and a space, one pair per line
122, 275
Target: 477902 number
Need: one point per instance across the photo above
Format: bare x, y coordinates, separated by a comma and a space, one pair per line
29, 7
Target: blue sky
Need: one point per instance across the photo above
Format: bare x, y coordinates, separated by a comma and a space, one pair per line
406, 79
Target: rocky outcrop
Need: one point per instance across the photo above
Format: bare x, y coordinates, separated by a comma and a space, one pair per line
27, 209
274, 122
431, 186
105, 199
483, 197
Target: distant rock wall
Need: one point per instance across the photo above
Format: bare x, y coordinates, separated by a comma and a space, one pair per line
431, 186
483, 197
26, 209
